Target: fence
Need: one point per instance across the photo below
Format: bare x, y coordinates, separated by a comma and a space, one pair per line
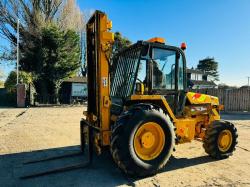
6, 98
232, 99
60, 99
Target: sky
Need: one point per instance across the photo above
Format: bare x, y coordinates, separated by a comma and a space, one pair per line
214, 28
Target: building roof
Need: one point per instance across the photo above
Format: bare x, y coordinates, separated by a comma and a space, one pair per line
207, 83
194, 71
245, 87
76, 79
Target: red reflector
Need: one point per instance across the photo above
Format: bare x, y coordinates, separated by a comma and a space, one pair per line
183, 46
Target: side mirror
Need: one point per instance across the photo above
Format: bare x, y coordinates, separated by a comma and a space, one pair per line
139, 88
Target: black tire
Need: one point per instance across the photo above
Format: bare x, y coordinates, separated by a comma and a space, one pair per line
210, 143
122, 147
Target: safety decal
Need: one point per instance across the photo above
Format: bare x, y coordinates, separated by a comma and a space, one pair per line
199, 97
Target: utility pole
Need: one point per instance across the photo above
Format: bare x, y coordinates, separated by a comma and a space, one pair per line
17, 53
248, 79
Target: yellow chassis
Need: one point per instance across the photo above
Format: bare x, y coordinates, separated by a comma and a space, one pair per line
188, 127
193, 124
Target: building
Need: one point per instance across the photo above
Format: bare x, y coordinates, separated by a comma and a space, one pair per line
199, 80
245, 87
74, 90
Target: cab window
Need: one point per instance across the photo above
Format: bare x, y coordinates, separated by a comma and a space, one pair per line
163, 69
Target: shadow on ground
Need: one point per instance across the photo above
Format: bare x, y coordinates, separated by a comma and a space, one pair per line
103, 172
178, 163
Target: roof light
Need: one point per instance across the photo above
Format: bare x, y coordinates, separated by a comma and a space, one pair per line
157, 40
183, 46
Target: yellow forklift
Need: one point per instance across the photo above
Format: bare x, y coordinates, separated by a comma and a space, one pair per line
138, 105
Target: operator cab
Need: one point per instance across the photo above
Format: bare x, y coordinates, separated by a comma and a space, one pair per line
150, 68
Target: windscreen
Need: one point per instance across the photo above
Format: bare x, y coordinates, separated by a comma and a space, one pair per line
164, 69
124, 76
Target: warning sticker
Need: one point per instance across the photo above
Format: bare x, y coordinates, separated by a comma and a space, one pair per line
105, 81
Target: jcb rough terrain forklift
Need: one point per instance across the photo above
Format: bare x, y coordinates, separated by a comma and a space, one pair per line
138, 105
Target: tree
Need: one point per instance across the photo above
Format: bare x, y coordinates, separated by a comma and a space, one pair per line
35, 15
209, 66
47, 51
83, 70
120, 42
71, 11
32, 14
71, 17
60, 55
10, 83
1, 77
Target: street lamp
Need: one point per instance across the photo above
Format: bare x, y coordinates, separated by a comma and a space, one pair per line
17, 51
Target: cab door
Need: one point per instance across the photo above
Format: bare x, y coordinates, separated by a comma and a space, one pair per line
167, 68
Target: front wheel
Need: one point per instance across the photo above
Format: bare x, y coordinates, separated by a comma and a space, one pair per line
142, 141
220, 139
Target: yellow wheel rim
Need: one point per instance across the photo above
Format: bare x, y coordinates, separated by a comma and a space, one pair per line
149, 141
225, 140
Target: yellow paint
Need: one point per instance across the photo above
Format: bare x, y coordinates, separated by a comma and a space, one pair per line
185, 126
106, 137
149, 141
214, 115
140, 88
106, 101
104, 43
185, 129
225, 140
197, 98
109, 24
106, 38
189, 126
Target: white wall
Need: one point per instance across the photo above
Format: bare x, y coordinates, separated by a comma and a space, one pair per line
195, 76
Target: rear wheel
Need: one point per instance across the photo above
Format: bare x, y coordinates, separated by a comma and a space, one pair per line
220, 139
142, 141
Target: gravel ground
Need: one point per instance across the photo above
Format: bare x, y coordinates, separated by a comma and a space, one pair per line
28, 134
